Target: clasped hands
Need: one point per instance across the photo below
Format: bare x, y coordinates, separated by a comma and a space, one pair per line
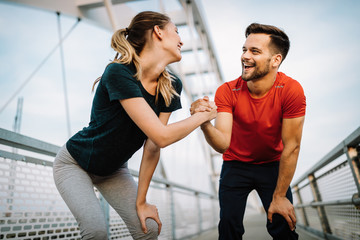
203, 105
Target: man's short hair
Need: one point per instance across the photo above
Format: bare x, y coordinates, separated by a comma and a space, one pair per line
279, 41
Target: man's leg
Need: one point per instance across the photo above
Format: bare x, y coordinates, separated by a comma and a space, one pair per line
265, 186
235, 186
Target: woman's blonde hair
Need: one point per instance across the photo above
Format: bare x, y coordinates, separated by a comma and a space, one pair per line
129, 42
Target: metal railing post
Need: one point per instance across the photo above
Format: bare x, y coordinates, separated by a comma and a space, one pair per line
199, 211
320, 209
173, 215
353, 158
303, 213
105, 207
214, 212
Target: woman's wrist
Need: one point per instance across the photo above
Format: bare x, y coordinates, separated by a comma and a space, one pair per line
205, 125
140, 202
206, 117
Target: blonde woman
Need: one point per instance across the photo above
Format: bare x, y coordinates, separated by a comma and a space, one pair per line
132, 104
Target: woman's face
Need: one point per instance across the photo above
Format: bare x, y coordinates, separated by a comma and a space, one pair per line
172, 42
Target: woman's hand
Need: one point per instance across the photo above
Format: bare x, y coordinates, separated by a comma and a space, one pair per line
213, 112
145, 211
204, 106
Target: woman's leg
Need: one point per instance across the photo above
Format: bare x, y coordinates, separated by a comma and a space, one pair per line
120, 192
76, 188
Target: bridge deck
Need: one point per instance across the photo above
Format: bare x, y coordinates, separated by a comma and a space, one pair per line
255, 229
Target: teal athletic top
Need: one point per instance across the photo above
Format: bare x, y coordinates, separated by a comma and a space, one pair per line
112, 137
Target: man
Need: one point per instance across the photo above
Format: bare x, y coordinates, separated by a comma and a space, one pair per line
258, 129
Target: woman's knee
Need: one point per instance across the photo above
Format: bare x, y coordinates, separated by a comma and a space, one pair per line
153, 228
152, 231
94, 233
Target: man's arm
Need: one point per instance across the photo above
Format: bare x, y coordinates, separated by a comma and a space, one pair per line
291, 137
217, 136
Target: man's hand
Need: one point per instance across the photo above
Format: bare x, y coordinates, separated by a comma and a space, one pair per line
145, 211
283, 206
202, 105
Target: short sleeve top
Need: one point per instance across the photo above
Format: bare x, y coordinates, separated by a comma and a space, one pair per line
112, 137
257, 122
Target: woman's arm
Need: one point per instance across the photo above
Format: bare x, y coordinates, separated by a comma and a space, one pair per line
149, 162
163, 135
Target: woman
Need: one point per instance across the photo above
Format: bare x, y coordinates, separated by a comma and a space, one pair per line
131, 108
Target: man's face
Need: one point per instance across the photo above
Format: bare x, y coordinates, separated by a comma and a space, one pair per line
256, 57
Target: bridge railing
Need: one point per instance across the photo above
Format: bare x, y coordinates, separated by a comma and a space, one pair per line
326, 197
31, 207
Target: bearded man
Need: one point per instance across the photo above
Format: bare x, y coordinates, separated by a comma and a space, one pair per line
258, 130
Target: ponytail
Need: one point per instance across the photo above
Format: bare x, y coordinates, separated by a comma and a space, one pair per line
166, 88
125, 53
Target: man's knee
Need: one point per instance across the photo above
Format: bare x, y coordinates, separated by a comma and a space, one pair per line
279, 229
231, 227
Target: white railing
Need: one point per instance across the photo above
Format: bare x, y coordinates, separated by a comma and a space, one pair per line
31, 208
327, 198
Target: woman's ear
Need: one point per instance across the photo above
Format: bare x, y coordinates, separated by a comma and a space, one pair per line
158, 32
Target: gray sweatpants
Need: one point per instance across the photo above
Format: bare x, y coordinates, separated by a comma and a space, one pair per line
76, 187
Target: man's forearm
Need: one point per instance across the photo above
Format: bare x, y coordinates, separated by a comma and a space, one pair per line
291, 137
214, 137
287, 168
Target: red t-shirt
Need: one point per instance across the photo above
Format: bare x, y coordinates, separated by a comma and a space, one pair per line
257, 122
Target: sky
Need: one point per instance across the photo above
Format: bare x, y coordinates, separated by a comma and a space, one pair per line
323, 57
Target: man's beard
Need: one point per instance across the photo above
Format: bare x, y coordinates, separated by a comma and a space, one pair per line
258, 73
